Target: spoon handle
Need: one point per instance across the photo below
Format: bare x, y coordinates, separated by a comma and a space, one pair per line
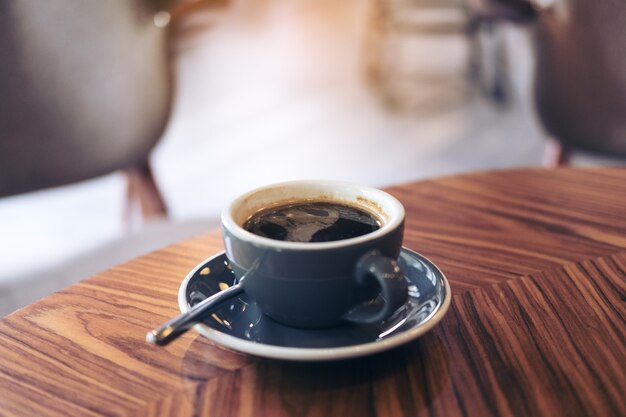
173, 328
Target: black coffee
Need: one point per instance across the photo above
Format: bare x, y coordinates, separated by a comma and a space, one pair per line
312, 222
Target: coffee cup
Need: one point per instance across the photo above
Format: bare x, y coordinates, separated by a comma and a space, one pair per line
316, 254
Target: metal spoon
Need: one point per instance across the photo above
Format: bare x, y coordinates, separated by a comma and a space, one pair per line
173, 328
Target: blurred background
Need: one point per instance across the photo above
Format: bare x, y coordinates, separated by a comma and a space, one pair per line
224, 96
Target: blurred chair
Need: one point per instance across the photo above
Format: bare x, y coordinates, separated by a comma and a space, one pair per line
432, 19
86, 90
580, 74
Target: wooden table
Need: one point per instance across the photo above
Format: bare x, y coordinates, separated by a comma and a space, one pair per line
537, 264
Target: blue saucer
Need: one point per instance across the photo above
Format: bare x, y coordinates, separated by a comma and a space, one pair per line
241, 326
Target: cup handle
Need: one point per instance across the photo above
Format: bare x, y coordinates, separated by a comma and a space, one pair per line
393, 288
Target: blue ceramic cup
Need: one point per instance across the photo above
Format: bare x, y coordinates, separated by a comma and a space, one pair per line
319, 284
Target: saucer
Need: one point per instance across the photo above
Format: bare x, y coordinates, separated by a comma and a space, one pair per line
240, 325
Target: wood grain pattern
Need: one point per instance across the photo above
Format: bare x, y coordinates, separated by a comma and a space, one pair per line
537, 262
495, 226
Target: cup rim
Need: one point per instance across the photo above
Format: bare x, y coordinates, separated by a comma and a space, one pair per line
396, 213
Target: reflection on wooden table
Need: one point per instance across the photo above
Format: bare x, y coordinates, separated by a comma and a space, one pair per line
537, 264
